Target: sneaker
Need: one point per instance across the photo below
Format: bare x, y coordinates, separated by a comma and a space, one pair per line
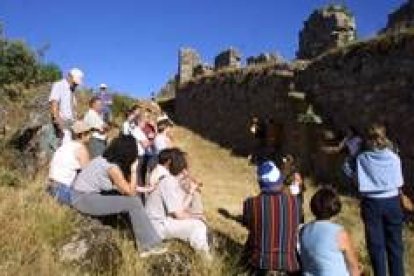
156, 250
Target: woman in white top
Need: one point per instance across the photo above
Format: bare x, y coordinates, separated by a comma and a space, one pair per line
67, 161
163, 139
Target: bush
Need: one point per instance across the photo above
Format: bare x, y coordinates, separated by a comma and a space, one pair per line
20, 67
121, 104
49, 72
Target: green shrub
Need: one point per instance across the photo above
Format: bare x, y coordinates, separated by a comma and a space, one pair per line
121, 104
20, 67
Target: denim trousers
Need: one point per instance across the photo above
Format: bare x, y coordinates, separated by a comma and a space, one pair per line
383, 221
61, 192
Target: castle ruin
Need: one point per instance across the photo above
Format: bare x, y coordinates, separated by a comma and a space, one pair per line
330, 27
188, 60
229, 58
400, 20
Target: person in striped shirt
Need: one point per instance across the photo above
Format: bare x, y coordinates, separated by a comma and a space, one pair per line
272, 219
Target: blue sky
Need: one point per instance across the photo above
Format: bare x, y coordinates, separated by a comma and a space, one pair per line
132, 44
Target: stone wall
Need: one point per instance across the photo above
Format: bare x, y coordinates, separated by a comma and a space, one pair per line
366, 82
229, 58
401, 19
188, 60
221, 107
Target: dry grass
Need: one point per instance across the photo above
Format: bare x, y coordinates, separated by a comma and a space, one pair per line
33, 225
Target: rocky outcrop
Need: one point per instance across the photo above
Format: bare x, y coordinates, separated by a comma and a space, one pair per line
327, 28
92, 248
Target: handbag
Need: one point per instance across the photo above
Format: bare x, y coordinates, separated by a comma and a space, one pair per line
406, 203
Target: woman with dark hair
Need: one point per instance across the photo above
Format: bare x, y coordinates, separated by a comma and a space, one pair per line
116, 170
169, 206
325, 247
379, 181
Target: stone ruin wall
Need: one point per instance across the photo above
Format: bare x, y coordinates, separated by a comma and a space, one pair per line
354, 85
221, 107
366, 82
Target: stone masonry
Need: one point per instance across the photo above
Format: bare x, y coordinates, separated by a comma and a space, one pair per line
189, 59
229, 58
264, 58
326, 28
401, 19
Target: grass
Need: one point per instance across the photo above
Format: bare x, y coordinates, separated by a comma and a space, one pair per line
34, 226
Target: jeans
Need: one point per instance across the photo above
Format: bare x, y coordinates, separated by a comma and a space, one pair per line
61, 192
383, 221
102, 205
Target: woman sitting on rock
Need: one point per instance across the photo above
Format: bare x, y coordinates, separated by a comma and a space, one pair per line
117, 170
174, 210
68, 159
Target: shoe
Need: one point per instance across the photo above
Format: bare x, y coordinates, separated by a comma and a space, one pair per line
157, 250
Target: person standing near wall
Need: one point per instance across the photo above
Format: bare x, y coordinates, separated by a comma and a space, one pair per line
93, 119
107, 101
380, 179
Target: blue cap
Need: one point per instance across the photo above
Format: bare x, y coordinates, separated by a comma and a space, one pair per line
269, 176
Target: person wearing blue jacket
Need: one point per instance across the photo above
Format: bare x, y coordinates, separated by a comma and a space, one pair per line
380, 178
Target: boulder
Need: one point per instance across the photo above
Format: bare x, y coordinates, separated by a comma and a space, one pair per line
92, 248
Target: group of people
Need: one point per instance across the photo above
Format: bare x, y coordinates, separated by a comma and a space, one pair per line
142, 174
139, 173
278, 241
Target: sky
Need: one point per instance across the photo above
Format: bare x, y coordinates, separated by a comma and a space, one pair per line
132, 45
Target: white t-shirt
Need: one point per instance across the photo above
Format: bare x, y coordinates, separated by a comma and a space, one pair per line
167, 198
94, 120
157, 174
140, 137
64, 165
161, 142
62, 94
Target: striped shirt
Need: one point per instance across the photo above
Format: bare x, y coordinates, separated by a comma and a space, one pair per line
272, 220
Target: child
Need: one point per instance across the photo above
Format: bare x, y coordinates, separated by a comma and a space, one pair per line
326, 248
272, 219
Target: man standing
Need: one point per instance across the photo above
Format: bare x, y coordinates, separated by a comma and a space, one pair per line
106, 99
62, 107
93, 119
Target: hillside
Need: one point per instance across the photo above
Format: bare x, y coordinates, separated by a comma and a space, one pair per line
34, 227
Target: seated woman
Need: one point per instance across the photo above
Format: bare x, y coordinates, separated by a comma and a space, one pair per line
68, 159
325, 247
169, 206
116, 170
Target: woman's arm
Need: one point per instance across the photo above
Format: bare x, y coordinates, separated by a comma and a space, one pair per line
118, 179
82, 154
351, 258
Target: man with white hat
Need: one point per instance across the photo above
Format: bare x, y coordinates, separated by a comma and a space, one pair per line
63, 102
106, 99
